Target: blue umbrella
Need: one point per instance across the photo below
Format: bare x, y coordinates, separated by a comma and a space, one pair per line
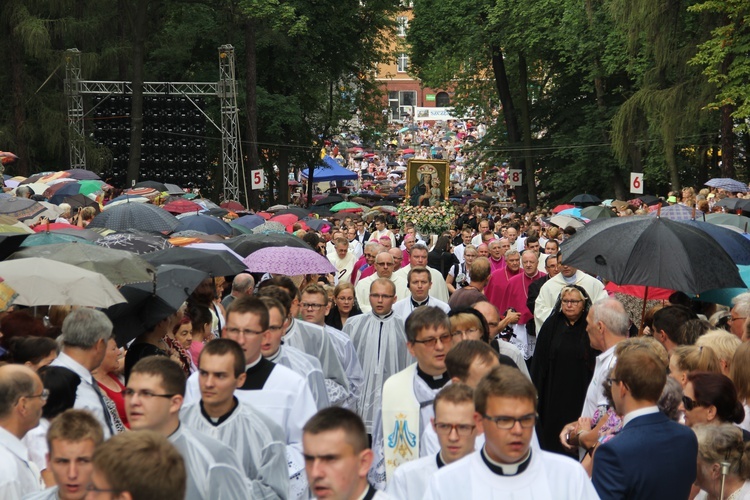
724, 296
575, 212
727, 184
249, 221
203, 223
677, 212
51, 238
316, 224
737, 246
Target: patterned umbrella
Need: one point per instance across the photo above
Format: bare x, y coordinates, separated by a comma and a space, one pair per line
270, 227
143, 217
727, 184
677, 212
134, 242
20, 208
182, 206
82, 174
146, 192
125, 198
289, 261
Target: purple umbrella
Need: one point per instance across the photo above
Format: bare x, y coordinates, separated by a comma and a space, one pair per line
289, 261
727, 184
677, 212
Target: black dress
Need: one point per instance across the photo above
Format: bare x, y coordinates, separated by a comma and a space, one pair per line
442, 261
334, 317
561, 370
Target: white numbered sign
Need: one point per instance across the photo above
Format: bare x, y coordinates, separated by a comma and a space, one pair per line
515, 177
636, 183
257, 179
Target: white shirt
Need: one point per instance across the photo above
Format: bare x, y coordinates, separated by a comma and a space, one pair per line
19, 476
87, 397
48, 494
595, 393
410, 480
36, 442
404, 307
649, 410
439, 289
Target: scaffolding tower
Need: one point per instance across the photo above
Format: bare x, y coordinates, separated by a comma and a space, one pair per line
224, 89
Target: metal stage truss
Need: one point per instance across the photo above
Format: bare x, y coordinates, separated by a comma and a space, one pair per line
225, 89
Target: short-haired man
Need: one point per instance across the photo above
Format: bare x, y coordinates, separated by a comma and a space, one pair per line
456, 431
342, 342
342, 259
140, 465
496, 325
337, 457
740, 313
85, 334
407, 394
71, 439
258, 440
153, 399
355, 246
552, 269
382, 231
496, 287
667, 323
458, 250
420, 283
242, 284
498, 249
418, 258
507, 466
384, 269
652, 456
482, 228
22, 397
479, 272
380, 340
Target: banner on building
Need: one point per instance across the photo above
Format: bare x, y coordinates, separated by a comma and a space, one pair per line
433, 114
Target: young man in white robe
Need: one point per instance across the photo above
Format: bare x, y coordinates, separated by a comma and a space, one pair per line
380, 341
153, 399
337, 456
278, 392
316, 294
420, 283
291, 357
507, 466
418, 258
457, 432
384, 268
258, 441
408, 395
342, 259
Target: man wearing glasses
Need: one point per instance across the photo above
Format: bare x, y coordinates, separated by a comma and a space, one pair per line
384, 269
507, 466
22, 397
740, 313
408, 395
420, 283
456, 432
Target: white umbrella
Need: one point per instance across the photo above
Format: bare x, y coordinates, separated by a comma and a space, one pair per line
44, 282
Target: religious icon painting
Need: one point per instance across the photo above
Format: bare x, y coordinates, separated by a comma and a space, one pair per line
427, 182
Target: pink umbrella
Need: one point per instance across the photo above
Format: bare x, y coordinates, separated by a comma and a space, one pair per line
288, 261
285, 219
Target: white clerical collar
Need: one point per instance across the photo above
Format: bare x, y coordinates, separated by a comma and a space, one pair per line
247, 367
384, 316
507, 469
272, 357
639, 413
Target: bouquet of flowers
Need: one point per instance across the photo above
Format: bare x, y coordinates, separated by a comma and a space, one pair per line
436, 219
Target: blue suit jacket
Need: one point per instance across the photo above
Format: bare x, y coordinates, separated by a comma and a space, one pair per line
651, 457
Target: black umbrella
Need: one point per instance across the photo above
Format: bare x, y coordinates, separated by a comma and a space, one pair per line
10, 242
651, 251
249, 243
213, 262
81, 201
140, 216
648, 199
331, 199
323, 211
150, 302
299, 212
153, 185
134, 241
203, 223
733, 204
86, 234
82, 174
585, 198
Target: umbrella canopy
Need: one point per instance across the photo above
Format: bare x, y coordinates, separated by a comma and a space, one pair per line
203, 223
677, 212
289, 261
124, 199
44, 282
735, 244
57, 193
152, 185
118, 266
592, 213
269, 227
301, 213
149, 303
9, 243
563, 221
727, 184
739, 221
142, 217
80, 201
234, 206
6, 157
317, 224
585, 198
174, 189
724, 296
557, 209
145, 192
642, 292
14, 226
648, 199
651, 251
80, 233
249, 221
331, 199
53, 237
733, 204
134, 242
182, 206
249, 243
345, 205
573, 212
82, 174
285, 219
213, 262
20, 208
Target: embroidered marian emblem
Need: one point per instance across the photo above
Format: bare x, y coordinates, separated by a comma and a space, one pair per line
401, 439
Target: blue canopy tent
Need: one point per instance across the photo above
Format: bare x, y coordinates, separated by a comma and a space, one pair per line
330, 170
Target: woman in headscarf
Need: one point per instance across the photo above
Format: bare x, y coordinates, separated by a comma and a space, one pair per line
563, 365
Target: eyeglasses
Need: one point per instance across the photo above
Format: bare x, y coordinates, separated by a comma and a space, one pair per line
145, 394
690, 403
43, 396
735, 318
244, 332
381, 296
432, 341
571, 302
506, 423
466, 333
310, 305
462, 430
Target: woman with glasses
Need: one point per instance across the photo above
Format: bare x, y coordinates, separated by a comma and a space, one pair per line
344, 306
468, 324
719, 445
711, 398
563, 365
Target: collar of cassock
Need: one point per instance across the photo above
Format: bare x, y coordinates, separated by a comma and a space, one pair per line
507, 469
418, 304
439, 461
386, 316
218, 421
432, 381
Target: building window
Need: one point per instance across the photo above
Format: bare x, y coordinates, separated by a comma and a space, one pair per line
403, 25
442, 100
402, 63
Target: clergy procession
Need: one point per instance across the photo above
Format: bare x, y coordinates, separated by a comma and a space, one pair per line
366, 355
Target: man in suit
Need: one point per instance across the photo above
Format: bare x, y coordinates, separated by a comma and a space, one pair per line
363, 235
652, 456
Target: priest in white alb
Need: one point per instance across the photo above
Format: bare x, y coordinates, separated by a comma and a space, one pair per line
418, 258
420, 283
342, 259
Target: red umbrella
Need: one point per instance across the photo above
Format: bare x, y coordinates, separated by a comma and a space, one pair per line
351, 210
369, 155
560, 208
54, 225
182, 206
408, 151
286, 219
647, 292
146, 192
265, 215
290, 227
232, 205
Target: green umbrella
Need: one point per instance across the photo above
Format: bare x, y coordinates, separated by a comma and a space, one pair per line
596, 212
46, 238
345, 205
739, 221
